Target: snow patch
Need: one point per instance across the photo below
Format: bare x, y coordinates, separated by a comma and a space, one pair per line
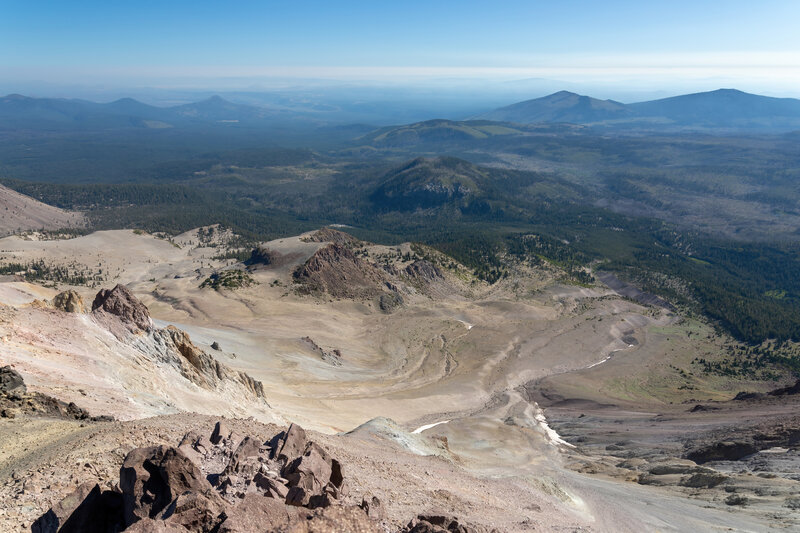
428, 426
551, 433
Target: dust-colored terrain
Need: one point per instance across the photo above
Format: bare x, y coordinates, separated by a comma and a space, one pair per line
439, 386
20, 213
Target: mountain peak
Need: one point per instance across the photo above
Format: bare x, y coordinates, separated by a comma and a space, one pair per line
562, 106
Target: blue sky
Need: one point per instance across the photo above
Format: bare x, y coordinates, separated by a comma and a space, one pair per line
574, 40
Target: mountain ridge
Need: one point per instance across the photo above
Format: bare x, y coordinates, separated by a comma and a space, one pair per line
721, 108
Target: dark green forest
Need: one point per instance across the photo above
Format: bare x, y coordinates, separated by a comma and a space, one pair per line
710, 223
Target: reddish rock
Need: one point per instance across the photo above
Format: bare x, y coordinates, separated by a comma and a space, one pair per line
88, 508
256, 513
152, 478
249, 447
293, 443
121, 302
311, 471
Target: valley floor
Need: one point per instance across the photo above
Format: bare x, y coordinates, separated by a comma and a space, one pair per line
526, 405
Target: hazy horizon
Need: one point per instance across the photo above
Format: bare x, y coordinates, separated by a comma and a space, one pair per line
620, 50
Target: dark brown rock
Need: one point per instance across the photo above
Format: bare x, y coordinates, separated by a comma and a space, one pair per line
196, 511
786, 391
337, 474
726, 450
373, 507
311, 471
88, 508
121, 302
293, 443
270, 487
328, 234
11, 381
249, 447
221, 432
440, 523
298, 497
148, 525
256, 513
335, 270
703, 480
152, 478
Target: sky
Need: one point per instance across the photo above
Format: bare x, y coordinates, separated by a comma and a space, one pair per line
615, 43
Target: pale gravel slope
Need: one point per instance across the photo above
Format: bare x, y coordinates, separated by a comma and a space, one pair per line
19, 213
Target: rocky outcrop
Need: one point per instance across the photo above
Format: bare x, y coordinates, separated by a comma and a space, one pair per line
334, 236
69, 302
722, 451
791, 390
423, 271
11, 381
219, 484
161, 482
440, 523
174, 346
16, 400
336, 271
168, 345
121, 302
389, 302
89, 508
334, 357
732, 445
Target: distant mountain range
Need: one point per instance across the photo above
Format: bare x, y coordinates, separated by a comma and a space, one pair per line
720, 109
23, 112
723, 109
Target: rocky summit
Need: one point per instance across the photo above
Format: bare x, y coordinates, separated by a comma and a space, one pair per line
121, 302
225, 482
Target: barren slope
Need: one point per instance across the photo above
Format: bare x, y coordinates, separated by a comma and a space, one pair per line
20, 213
458, 359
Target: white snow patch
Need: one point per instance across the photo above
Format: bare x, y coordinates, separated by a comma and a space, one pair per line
429, 426
600, 362
551, 433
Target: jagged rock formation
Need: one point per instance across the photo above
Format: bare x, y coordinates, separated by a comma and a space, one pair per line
171, 345
389, 302
338, 272
424, 271
69, 302
222, 484
121, 302
198, 366
333, 357
328, 234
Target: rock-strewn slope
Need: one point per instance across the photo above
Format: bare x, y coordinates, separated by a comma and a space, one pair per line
233, 484
114, 360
